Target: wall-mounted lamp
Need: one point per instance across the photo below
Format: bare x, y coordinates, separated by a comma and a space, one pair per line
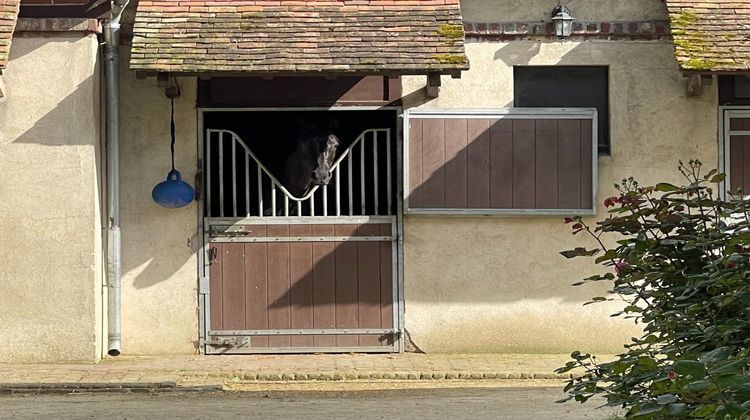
563, 21
173, 192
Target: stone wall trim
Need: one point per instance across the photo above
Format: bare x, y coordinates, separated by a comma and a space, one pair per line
649, 29
49, 25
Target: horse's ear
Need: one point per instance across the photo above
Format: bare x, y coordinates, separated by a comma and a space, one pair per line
333, 124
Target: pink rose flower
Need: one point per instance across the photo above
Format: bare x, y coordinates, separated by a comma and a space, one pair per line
620, 265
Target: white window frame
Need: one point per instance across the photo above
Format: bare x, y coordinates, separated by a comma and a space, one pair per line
725, 134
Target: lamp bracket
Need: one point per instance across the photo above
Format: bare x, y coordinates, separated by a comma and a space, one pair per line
695, 82
433, 85
560, 9
168, 81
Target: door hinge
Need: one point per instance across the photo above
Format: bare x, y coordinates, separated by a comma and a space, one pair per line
203, 285
213, 253
234, 342
199, 181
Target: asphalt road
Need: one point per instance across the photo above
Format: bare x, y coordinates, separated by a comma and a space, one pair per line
456, 403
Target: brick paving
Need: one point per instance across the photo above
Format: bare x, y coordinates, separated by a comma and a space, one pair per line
218, 370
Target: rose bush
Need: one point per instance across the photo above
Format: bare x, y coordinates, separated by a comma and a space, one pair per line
680, 267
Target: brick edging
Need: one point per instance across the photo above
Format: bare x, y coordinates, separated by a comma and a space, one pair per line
646, 29
203, 382
398, 376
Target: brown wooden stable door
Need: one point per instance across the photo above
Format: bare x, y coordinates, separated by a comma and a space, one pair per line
276, 288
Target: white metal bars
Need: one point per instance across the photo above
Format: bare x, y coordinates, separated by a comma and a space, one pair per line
238, 184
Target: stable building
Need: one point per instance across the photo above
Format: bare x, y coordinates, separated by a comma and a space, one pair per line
362, 176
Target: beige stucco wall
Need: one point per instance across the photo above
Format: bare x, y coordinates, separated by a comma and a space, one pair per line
582, 10
472, 284
50, 231
498, 284
159, 280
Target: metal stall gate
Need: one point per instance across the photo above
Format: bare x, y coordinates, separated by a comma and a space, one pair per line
286, 274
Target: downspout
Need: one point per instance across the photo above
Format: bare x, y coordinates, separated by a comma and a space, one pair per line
111, 58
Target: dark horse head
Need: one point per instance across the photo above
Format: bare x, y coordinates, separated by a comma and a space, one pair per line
310, 163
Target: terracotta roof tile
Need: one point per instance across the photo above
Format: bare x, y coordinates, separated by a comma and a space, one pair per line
342, 36
8, 17
711, 35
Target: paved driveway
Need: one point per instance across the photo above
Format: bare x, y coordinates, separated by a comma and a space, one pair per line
454, 403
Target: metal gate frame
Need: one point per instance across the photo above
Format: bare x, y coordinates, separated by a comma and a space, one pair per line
725, 113
203, 228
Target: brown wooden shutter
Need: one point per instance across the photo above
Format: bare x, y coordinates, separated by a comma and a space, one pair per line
512, 161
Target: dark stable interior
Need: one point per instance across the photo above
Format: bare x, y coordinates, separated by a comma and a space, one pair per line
273, 135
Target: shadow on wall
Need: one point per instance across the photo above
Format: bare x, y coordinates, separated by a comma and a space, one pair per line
146, 268
53, 125
518, 53
53, 122
57, 127
157, 242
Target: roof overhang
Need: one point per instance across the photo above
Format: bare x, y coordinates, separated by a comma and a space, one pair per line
56, 9
711, 37
313, 37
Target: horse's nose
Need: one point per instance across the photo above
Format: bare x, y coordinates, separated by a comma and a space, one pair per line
323, 178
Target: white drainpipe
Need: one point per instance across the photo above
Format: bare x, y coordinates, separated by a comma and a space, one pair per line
111, 58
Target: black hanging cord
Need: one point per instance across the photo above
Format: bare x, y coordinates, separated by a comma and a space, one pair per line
171, 147
173, 91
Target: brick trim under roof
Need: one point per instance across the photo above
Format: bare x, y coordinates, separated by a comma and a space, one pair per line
711, 36
8, 17
293, 36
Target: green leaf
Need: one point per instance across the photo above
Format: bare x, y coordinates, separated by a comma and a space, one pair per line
632, 308
678, 409
647, 412
666, 399
619, 368
579, 252
727, 368
666, 187
738, 383
704, 410
646, 362
718, 178
701, 387
738, 239
596, 300
609, 255
693, 368
736, 411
